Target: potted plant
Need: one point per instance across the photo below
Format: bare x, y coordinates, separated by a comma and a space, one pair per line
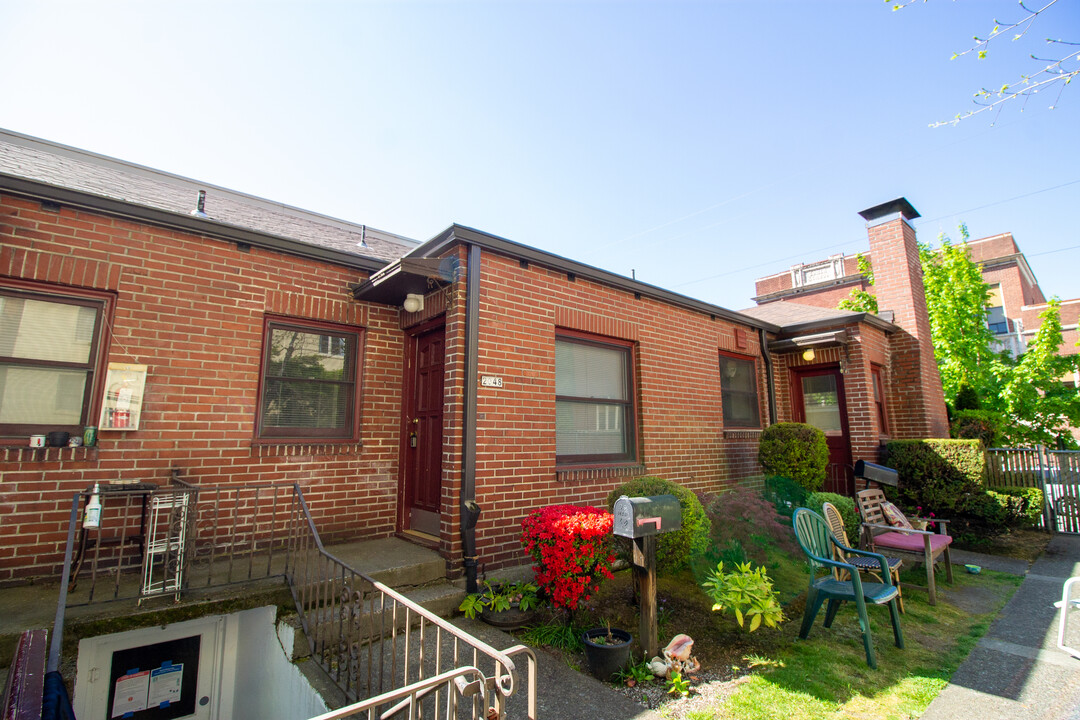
607, 650
506, 605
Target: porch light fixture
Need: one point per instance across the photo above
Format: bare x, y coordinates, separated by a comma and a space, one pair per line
413, 303
808, 354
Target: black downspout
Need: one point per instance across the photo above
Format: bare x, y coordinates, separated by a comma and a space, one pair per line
770, 380
470, 511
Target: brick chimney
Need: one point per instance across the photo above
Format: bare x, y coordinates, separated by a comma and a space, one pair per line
917, 403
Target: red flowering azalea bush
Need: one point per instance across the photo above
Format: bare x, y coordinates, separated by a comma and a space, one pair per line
572, 550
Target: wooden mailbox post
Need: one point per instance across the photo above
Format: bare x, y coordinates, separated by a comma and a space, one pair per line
641, 519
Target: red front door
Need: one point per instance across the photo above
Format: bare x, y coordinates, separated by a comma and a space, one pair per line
818, 396
423, 432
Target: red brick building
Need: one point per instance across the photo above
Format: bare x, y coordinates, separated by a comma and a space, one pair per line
394, 381
1016, 299
399, 384
862, 378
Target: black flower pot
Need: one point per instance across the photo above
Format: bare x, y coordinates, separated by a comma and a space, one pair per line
606, 658
510, 619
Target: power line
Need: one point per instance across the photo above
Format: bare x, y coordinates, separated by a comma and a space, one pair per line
998, 202
814, 252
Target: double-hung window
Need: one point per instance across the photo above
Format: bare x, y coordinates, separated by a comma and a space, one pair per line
309, 382
49, 359
739, 392
594, 408
879, 400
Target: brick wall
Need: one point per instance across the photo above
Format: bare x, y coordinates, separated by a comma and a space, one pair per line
681, 433
192, 309
1070, 317
916, 384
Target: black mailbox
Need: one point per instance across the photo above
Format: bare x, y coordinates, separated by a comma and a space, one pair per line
637, 517
878, 473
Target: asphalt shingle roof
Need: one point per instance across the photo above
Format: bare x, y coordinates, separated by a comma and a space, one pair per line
792, 313
30, 158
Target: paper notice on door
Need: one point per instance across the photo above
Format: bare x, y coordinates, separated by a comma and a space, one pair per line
130, 695
165, 685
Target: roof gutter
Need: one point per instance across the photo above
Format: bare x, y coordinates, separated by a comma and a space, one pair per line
829, 323
460, 234
186, 223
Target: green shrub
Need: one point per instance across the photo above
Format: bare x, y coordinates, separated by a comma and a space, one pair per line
844, 504
797, 451
673, 549
748, 593
1023, 505
980, 425
937, 474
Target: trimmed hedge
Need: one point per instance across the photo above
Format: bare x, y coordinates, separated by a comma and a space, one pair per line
797, 451
1023, 505
673, 549
938, 475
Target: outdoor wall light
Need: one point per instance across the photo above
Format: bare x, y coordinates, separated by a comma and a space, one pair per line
808, 354
413, 303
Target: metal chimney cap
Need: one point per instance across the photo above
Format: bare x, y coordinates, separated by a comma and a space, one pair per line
899, 205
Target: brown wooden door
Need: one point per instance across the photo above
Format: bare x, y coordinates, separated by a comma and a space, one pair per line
818, 396
423, 432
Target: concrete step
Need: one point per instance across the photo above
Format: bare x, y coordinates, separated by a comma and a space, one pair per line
440, 598
392, 561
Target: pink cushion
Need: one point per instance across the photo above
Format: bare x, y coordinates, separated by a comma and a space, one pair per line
894, 517
911, 541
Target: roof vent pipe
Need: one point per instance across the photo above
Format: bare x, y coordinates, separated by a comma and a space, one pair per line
200, 205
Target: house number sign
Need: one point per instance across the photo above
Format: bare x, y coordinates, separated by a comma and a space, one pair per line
491, 381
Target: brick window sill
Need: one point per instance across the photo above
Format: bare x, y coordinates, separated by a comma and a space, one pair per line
742, 434
19, 454
289, 449
594, 472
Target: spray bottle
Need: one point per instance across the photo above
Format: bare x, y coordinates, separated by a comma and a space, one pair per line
92, 515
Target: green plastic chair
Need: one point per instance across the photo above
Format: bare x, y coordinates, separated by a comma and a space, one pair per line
817, 542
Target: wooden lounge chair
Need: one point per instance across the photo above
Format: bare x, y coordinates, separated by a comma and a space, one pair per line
865, 564
924, 545
818, 542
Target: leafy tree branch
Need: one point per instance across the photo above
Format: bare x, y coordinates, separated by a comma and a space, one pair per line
860, 300
1055, 71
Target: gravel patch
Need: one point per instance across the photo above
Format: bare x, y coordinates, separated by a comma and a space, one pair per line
708, 689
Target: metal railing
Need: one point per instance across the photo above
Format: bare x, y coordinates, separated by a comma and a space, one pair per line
381, 649
162, 540
1056, 472
375, 643
840, 479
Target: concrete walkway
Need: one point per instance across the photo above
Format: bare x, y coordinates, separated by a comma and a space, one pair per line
1016, 669
563, 693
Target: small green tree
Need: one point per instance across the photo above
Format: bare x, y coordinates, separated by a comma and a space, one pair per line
956, 301
1038, 407
967, 398
860, 300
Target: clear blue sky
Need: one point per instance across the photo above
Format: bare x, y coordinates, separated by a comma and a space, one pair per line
701, 144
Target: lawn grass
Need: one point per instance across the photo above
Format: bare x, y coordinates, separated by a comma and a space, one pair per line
826, 675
